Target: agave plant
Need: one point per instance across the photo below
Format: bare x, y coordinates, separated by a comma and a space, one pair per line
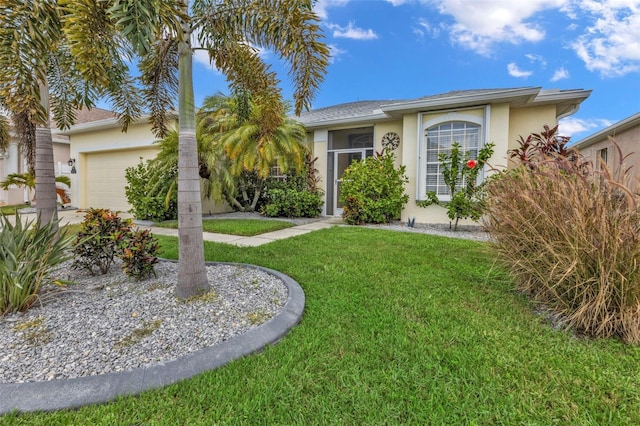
27, 256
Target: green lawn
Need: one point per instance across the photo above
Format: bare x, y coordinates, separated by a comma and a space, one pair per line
11, 210
398, 328
243, 227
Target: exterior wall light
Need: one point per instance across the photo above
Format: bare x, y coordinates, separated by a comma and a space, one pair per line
72, 164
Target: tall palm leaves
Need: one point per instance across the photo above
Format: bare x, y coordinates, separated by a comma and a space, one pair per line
100, 35
44, 79
228, 29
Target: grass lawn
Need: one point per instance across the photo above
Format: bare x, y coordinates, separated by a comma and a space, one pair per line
242, 227
11, 210
398, 328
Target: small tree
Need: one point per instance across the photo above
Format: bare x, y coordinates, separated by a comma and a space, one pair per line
373, 190
460, 174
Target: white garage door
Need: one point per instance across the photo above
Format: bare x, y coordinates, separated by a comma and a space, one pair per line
106, 180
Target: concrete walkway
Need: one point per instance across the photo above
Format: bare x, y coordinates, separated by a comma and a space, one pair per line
74, 216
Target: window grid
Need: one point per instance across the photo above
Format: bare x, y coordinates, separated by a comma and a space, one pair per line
439, 139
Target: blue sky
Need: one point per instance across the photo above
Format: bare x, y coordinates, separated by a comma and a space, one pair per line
400, 49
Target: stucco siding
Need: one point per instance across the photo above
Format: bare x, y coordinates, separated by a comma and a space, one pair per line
524, 121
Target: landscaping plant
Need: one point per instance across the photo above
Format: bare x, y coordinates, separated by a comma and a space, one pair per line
373, 190
460, 174
27, 256
151, 191
138, 251
297, 195
103, 236
571, 237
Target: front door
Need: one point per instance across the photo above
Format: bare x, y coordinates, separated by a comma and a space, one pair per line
342, 160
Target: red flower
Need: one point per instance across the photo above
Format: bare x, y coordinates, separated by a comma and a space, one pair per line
472, 164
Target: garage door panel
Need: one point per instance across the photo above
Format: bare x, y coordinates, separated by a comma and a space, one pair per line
106, 177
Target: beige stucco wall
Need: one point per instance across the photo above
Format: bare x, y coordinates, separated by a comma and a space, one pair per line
496, 127
524, 121
629, 142
14, 163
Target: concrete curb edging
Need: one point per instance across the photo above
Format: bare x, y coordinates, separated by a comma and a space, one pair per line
72, 393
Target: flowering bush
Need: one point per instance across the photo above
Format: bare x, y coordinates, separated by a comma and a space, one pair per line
461, 177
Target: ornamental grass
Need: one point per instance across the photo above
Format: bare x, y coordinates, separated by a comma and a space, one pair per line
570, 234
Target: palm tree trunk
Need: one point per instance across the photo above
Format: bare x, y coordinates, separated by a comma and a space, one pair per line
45, 173
192, 273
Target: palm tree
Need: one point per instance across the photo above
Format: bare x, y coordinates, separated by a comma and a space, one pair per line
162, 33
40, 82
100, 35
230, 149
232, 127
28, 180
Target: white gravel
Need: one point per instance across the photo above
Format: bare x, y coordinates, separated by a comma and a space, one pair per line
109, 323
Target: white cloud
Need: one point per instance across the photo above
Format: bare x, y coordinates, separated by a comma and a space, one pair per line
424, 29
335, 53
514, 71
536, 59
202, 57
560, 74
352, 32
481, 24
611, 44
397, 2
571, 126
322, 5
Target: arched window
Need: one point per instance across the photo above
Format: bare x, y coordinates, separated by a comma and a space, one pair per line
439, 138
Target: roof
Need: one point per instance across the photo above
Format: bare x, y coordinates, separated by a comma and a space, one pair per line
367, 111
620, 126
86, 115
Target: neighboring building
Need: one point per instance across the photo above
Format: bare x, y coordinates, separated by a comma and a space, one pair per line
420, 129
599, 149
12, 161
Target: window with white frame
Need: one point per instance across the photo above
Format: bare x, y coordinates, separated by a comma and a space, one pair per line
439, 139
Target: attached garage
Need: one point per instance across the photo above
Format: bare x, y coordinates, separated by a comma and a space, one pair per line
105, 177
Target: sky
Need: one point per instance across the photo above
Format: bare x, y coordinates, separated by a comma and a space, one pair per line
403, 49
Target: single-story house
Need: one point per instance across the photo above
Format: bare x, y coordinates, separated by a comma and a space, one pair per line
420, 129
599, 149
416, 129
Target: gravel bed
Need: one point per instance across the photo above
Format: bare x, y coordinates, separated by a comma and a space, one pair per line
110, 323
467, 232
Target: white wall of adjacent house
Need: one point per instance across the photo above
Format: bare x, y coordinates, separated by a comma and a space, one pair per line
10, 163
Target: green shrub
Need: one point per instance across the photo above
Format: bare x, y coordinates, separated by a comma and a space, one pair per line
138, 251
571, 237
103, 236
293, 203
27, 255
98, 240
373, 190
151, 193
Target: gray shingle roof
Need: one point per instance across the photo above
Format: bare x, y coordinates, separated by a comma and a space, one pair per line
374, 109
342, 111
